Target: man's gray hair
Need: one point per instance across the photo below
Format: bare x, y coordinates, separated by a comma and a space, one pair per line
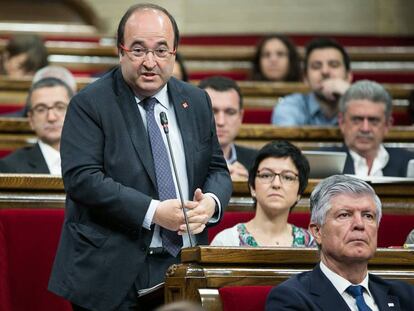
327, 189
369, 90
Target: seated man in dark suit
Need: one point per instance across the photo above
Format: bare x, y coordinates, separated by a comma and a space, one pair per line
345, 216
227, 103
364, 120
47, 103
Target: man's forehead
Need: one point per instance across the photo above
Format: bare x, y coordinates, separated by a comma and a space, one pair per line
325, 54
148, 24
366, 106
49, 91
351, 201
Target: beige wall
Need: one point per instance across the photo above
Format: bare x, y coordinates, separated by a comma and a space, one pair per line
289, 16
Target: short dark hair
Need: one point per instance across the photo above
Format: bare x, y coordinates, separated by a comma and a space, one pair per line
294, 73
141, 6
222, 84
180, 61
282, 149
46, 82
325, 43
33, 46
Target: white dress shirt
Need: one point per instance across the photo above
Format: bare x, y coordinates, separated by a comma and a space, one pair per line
52, 158
361, 167
179, 156
342, 284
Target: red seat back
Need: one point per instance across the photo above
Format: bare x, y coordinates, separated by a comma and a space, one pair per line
244, 298
29, 240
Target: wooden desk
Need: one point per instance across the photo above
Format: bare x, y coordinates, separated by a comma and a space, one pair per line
31, 191
308, 137
208, 267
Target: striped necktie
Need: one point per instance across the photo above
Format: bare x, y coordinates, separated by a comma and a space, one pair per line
171, 241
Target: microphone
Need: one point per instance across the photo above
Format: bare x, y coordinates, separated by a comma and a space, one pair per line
164, 123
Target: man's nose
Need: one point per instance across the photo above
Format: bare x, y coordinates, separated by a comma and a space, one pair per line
358, 221
365, 125
220, 118
149, 60
51, 114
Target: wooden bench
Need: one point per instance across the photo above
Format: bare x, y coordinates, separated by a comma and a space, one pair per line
313, 137
206, 269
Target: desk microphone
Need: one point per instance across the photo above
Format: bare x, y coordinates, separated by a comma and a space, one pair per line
164, 123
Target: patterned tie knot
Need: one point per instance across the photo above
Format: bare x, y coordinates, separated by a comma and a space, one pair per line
149, 104
355, 290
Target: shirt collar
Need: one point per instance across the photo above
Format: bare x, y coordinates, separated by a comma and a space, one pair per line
379, 163
161, 96
52, 157
340, 283
314, 107
233, 155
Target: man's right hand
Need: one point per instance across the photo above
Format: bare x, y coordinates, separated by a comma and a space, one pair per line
169, 214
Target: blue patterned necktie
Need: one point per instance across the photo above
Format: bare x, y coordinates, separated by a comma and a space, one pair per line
171, 241
357, 291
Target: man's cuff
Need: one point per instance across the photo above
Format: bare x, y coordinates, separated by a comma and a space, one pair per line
150, 214
216, 216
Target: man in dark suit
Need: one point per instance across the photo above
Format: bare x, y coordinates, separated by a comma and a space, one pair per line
120, 232
345, 215
364, 120
227, 102
46, 103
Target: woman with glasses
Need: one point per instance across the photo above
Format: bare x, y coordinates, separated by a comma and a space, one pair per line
277, 180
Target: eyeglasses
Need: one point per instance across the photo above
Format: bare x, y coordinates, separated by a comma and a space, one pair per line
285, 177
140, 52
42, 110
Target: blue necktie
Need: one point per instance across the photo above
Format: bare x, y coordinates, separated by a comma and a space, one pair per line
171, 241
356, 291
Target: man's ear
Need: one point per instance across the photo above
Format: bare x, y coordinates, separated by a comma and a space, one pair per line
315, 230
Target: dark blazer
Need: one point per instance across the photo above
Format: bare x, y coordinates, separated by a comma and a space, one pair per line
396, 166
25, 160
109, 178
245, 156
313, 291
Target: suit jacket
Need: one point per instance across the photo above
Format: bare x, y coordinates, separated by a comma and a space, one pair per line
312, 290
109, 178
396, 166
25, 160
245, 156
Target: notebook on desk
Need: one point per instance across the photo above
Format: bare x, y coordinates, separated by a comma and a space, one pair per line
325, 163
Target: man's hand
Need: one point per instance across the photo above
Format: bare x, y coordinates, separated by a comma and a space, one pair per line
169, 214
199, 212
238, 171
333, 88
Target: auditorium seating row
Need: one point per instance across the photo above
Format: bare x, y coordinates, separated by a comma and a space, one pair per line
16, 133
230, 278
31, 216
394, 64
259, 97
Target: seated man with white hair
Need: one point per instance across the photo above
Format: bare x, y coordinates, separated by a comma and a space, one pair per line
345, 217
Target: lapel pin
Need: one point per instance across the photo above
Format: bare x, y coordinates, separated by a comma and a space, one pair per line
391, 304
185, 105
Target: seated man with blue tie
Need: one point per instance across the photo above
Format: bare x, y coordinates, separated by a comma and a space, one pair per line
345, 216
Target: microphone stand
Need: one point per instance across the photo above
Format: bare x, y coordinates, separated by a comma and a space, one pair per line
164, 123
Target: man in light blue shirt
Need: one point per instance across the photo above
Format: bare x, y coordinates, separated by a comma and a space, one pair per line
328, 74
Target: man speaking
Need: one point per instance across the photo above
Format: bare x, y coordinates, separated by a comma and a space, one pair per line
124, 224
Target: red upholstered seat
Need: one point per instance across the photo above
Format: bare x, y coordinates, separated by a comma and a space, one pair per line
29, 239
244, 298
